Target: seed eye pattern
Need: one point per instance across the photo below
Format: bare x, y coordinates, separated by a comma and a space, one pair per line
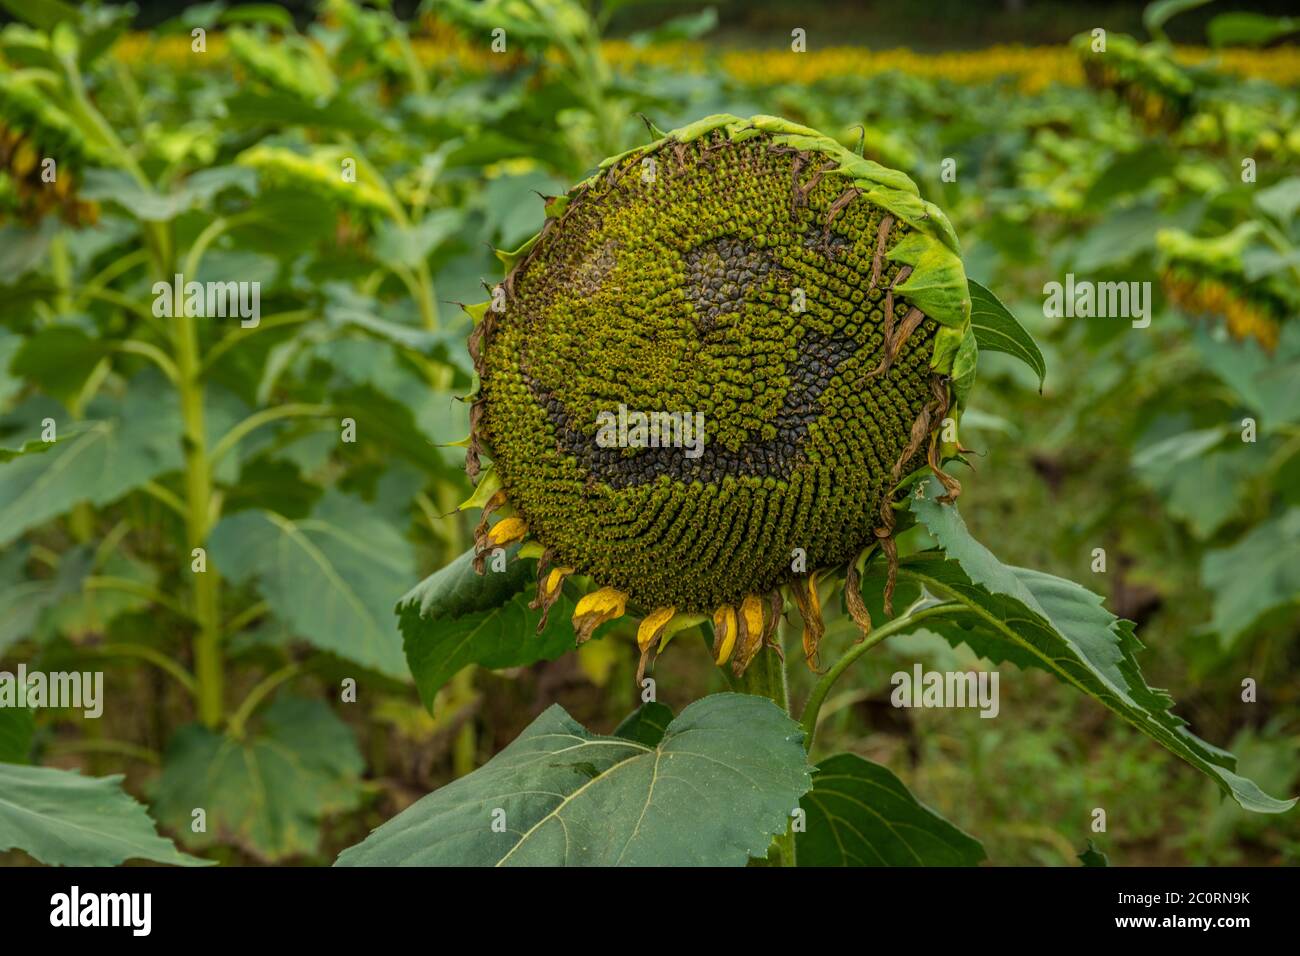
677, 293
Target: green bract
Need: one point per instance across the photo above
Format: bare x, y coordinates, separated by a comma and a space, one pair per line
803, 303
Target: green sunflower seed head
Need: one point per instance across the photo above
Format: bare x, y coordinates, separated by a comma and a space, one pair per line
804, 303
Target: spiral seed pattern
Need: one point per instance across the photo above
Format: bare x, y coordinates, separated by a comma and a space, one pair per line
679, 293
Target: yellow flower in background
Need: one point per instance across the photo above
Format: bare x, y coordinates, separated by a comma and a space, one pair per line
1033, 68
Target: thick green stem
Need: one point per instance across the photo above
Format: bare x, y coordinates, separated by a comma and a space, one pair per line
208, 670
765, 677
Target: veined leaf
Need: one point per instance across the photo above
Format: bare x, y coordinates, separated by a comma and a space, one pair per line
1032, 618
713, 792
1200, 476
997, 330
330, 577
860, 814
269, 791
65, 819
96, 461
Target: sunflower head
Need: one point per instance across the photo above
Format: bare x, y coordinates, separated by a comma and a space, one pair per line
1145, 76
1207, 277
41, 155
705, 378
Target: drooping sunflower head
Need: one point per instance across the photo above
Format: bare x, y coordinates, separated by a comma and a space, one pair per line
42, 154
704, 379
1207, 277
1145, 76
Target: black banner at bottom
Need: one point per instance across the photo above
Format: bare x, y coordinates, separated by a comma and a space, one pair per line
213, 905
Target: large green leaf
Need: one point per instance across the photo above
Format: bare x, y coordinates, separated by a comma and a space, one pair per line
1257, 574
997, 330
65, 819
331, 577
1269, 384
859, 814
1200, 476
58, 359
1032, 618
95, 461
456, 617
119, 187
724, 779
267, 792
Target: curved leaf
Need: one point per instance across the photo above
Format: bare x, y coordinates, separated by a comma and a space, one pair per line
997, 330
330, 577
722, 781
65, 819
268, 791
1035, 619
95, 461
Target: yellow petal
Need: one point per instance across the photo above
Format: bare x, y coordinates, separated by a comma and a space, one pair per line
595, 609
751, 614
548, 592
507, 531
724, 633
751, 633
554, 579
652, 626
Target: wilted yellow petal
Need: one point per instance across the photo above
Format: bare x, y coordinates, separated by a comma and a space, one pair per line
549, 584
595, 609
853, 600
810, 609
554, 579
652, 626
751, 614
507, 531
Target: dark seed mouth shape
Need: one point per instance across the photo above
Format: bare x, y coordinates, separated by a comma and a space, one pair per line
820, 357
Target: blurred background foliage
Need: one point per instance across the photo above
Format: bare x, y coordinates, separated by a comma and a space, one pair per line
224, 164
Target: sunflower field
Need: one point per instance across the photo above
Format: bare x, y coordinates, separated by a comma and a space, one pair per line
539, 432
